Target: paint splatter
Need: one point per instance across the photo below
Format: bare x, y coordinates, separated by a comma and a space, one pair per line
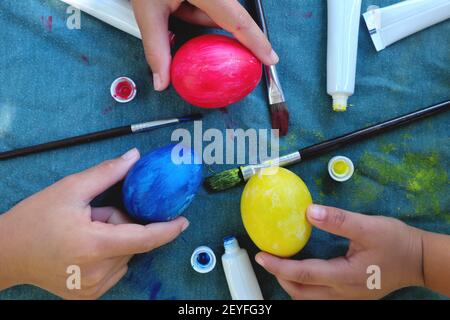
47, 22
229, 123
320, 186
317, 135
155, 290
421, 176
107, 110
365, 190
319, 182
293, 140
224, 111
85, 59
183, 239
407, 136
308, 15
142, 279
388, 148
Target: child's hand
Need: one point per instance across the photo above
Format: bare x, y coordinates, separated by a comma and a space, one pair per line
153, 15
388, 243
57, 228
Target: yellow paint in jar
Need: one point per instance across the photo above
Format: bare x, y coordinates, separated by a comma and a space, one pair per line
341, 168
273, 209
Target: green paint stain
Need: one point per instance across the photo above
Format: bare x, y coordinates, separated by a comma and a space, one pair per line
292, 139
317, 135
365, 190
318, 181
407, 136
321, 195
388, 148
422, 177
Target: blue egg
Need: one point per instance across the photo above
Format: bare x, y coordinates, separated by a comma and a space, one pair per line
158, 189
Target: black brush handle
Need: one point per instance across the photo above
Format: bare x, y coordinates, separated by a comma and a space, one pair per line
356, 136
260, 17
101, 135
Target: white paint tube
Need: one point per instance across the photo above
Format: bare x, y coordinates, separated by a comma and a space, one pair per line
391, 24
117, 13
343, 29
239, 272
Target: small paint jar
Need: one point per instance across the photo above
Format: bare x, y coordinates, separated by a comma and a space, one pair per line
203, 260
123, 90
341, 168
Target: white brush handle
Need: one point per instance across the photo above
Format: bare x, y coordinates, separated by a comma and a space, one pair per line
117, 13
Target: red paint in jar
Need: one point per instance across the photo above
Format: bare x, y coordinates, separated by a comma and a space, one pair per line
123, 90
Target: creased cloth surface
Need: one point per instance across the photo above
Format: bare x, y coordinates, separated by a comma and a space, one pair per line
54, 83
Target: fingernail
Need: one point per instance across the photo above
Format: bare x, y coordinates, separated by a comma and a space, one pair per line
317, 212
131, 155
157, 82
259, 260
274, 57
185, 226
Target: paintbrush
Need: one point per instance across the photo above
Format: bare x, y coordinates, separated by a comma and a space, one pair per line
234, 177
96, 136
277, 102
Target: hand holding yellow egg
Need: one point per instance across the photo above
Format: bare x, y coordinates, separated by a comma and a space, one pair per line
273, 208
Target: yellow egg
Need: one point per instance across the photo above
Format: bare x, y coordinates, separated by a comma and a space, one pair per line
273, 208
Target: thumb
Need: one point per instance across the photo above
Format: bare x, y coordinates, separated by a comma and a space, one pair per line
153, 21
343, 223
88, 184
129, 239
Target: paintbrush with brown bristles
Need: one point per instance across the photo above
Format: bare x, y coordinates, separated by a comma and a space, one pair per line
277, 102
231, 178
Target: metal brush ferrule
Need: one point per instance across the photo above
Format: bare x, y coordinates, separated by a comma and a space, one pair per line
141, 127
250, 171
275, 92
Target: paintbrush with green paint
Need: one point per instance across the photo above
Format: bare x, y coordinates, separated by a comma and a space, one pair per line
231, 178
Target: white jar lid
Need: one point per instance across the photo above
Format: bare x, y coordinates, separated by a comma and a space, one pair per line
341, 168
123, 90
203, 260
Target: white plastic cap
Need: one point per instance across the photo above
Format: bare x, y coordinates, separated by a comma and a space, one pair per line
338, 176
340, 103
129, 84
203, 260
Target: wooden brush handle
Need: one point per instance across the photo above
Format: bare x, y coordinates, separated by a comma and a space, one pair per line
111, 133
359, 135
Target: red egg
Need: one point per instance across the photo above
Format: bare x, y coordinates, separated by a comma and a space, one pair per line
214, 71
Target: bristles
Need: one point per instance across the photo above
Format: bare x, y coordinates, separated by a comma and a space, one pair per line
280, 117
224, 180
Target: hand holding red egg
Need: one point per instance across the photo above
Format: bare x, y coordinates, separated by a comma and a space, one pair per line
152, 17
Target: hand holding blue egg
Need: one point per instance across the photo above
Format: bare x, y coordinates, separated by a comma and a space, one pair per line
159, 189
